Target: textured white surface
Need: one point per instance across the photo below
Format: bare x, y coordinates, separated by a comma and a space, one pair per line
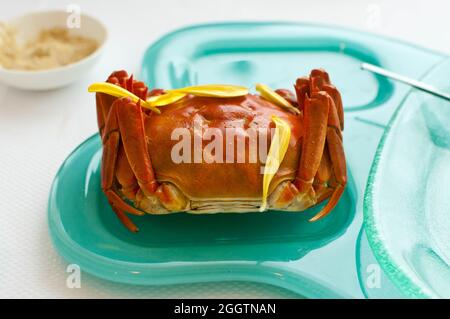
38, 130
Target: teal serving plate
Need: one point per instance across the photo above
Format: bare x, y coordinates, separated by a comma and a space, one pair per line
315, 260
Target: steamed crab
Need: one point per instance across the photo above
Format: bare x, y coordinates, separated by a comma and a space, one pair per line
140, 175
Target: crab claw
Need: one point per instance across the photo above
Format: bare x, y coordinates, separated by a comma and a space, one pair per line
322, 169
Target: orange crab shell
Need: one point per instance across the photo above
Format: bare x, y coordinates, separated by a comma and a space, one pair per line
201, 181
138, 165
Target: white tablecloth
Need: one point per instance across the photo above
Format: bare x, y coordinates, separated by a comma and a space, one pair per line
39, 129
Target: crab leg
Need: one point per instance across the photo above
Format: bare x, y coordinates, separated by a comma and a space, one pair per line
302, 91
125, 124
125, 128
323, 124
315, 115
131, 124
334, 143
125, 175
125, 157
320, 81
111, 145
124, 219
323, 176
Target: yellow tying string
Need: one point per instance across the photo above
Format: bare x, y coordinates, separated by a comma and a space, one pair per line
277, 151
214, 90
272, 96
117, 91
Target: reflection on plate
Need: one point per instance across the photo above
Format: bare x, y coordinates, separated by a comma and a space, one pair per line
407, 202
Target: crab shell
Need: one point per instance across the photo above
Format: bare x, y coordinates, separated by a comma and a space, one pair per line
138, 165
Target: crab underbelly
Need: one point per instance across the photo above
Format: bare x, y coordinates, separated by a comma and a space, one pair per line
228, 193
281, 199
225, 187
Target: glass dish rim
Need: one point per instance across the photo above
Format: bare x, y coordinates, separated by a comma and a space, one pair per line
387, 262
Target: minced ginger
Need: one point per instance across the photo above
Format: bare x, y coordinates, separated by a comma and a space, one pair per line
51, 48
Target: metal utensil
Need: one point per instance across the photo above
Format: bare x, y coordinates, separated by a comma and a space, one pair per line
404, 79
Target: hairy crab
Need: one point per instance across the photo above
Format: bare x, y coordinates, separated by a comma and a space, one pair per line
140, 174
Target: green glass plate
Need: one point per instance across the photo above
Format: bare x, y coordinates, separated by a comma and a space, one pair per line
407, 202
284, 249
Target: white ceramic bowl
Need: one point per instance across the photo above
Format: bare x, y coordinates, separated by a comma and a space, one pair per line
30, 25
